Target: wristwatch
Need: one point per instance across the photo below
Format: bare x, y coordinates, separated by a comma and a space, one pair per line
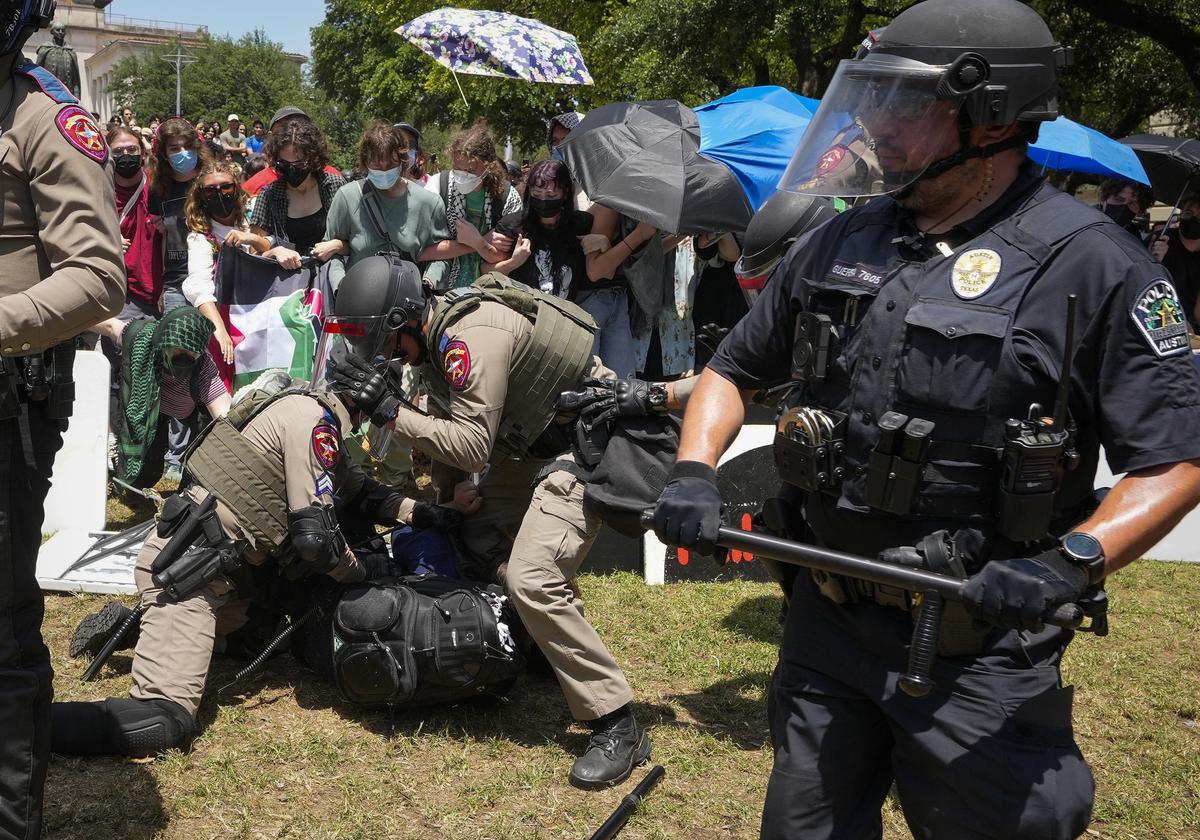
656, 396
1084, 551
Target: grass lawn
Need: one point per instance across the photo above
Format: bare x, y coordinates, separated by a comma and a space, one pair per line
283, 756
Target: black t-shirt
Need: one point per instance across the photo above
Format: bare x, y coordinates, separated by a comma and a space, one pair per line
556, 263
1184, 266
306, 231
170, 208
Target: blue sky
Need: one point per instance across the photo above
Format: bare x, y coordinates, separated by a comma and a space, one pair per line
285, 21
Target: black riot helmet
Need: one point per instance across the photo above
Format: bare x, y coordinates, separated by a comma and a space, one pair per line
379, 296
979, 62
21, 18
784, 218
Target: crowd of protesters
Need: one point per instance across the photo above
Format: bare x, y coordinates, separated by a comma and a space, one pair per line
186, 190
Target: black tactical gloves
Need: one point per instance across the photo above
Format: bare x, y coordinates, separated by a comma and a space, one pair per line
605, 399
1022, 591
688, 512
359, 380
426, 515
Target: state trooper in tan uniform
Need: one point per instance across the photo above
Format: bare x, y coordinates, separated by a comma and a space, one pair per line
61, 271
494, 363
274, 467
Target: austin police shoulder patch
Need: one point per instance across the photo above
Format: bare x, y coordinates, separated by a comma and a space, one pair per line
974, 272
325, 445
324, 485
1160, 318
457, 360
81, 132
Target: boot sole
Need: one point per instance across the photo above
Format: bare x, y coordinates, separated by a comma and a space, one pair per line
96, 629
640, 756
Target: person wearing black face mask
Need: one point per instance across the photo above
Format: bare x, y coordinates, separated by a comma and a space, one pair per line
292, 211
1179, 252
140, 238
552, 238
215, 214
1121, 201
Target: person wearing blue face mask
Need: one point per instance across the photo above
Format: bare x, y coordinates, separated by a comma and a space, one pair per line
417, 161
175, 160
412, 219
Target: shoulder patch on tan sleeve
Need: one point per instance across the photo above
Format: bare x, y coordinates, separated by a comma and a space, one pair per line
77, 126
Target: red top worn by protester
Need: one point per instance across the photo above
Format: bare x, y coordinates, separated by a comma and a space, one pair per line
144, 258
269, 175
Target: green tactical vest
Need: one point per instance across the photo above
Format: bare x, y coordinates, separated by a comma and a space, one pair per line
225, 463
551, 359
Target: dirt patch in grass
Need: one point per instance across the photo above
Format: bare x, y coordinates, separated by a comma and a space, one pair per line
282, 756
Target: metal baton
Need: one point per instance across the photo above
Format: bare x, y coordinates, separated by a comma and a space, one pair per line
864, 568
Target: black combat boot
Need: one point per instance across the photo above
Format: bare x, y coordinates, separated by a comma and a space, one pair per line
97, 628
617, 745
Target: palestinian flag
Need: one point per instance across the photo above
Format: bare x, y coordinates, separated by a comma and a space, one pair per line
273, 315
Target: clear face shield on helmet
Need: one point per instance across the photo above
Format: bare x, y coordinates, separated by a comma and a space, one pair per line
370, 338
880, 125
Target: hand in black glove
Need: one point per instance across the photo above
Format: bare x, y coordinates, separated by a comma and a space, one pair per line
426, 515
616, 398
1021, 592
688, 512
358, 379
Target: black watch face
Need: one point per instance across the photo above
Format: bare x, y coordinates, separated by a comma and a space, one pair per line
1085, 547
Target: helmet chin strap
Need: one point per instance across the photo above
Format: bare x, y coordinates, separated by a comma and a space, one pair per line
964, 153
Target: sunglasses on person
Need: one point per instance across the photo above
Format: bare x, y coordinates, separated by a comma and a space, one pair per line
214, 190
283, 167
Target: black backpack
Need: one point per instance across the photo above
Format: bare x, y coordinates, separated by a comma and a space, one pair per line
422, 640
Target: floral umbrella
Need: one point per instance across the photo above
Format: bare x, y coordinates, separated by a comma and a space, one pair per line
498, 44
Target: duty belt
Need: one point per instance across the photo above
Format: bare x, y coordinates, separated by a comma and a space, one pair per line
40, 378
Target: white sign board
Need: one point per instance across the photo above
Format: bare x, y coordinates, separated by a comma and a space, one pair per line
79, 484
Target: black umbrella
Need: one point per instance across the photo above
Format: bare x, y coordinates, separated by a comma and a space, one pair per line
643, 159
1172, 163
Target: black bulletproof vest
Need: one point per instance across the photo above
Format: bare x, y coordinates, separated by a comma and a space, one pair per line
911, 344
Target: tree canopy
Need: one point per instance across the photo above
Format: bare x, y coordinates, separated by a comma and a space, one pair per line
1132, 59
252, 77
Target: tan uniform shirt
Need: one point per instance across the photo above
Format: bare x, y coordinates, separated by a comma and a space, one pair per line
61, 266
473, 359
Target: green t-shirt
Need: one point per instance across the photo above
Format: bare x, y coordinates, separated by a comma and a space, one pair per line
468, 264
414, 221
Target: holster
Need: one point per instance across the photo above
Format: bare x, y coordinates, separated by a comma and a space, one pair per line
197, 567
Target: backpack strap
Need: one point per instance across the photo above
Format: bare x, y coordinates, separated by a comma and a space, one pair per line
375, 214
444, 188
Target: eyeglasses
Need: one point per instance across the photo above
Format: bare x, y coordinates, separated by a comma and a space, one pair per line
126, 150
214, 190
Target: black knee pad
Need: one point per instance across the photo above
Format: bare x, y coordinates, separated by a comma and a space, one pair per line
140, 728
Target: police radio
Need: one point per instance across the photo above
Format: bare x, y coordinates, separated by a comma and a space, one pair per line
1036, 451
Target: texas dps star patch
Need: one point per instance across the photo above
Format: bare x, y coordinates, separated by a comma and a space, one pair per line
81, 132
325, 446
1159, 315
457, 359
974, 272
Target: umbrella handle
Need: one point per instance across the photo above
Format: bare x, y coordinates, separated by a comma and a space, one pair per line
460, 90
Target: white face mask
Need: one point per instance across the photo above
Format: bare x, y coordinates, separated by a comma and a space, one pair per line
464, 181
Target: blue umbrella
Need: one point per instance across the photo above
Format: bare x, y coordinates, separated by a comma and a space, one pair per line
1066, 144
753, 132
486, 43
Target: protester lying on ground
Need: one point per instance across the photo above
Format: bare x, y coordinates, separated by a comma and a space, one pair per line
277, 466
166, 372
216, 216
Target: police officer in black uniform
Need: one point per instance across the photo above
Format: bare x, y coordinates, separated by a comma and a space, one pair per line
926, 333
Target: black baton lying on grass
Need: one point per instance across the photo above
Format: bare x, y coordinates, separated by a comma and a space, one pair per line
616, 821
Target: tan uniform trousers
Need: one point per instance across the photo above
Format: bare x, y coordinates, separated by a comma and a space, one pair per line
543, 533
177, 639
